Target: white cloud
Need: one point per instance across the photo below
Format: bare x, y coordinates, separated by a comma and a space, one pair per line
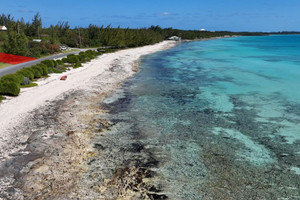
26, 11
165, 13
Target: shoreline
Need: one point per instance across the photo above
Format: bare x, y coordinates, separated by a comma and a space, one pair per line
53, 118
212, 38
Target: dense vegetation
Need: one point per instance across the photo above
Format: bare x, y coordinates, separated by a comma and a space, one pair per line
10, 84
19, 37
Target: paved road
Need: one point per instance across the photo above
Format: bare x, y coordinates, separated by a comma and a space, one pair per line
14, 68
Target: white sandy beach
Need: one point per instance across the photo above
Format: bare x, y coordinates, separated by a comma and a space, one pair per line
14, 111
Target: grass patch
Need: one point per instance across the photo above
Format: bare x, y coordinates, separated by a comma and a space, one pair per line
3, 65
29, 85
71, 50
2, 98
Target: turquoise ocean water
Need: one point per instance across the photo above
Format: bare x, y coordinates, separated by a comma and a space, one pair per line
216, 119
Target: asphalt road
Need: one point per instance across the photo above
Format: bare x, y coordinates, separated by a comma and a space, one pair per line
14, 68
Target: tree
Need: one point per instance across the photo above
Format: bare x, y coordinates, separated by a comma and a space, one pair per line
21, 42
36, 24
16, 44
53, 35
62, 28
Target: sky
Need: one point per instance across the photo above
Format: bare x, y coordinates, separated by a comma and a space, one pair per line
214, 15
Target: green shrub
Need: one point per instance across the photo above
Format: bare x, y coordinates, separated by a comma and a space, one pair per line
26, 81
84, 58
50, 70
26, 73
81, 58
72, 59
77, 65
44, 69
9, 88
110, 50
89, 52
29, 85
64, 60
49, 63
54, 63
16, 78
36, 72
2, 98
41, 68
37, 67
59, 69
59, 62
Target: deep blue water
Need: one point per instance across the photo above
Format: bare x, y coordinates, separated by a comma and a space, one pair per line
221, 118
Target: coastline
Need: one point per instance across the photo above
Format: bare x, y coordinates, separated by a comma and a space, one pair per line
211, 38
45, 132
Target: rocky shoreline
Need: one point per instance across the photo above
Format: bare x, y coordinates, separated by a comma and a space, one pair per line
56, 146
60, 150
56, 152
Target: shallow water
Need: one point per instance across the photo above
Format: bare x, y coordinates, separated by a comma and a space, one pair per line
218, 119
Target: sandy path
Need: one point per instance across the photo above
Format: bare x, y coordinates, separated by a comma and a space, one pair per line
15, 110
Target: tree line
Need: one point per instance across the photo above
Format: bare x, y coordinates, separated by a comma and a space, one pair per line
19, 37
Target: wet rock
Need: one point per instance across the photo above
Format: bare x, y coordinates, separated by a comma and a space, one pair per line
99, 147
70, 133
284, 155
208, 111
136, 147
130, 183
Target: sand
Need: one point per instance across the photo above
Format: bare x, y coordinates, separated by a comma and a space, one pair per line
46, 132
15, 110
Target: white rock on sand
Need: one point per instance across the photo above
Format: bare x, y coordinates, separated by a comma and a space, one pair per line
15, 110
